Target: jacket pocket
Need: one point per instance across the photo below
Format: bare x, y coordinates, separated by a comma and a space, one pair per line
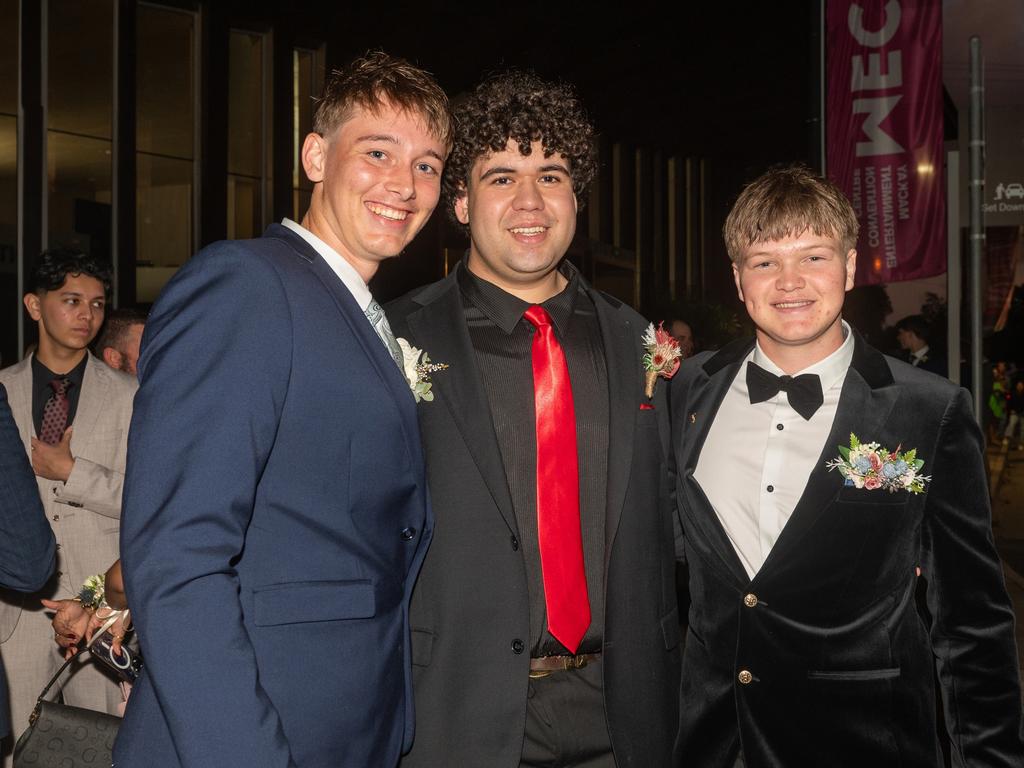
422, 647
312, 601
855, 675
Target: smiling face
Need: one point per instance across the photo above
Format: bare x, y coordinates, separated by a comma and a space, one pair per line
377, 180
69, 318
521, 213
793, 289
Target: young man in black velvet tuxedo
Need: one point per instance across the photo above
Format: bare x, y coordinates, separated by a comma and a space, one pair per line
538, 639
805, 545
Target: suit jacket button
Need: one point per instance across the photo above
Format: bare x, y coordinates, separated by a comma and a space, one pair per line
515, 544
518, 646
56, 517
408, 534
750, 600
745, 677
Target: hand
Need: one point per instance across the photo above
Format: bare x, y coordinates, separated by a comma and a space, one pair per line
53, 462
70, 623
117, 630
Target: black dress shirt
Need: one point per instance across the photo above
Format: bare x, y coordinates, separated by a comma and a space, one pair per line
41, 389
502, 341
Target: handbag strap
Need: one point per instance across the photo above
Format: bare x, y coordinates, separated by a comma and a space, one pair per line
65, 665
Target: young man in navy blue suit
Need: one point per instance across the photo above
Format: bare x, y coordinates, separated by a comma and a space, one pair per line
276, 512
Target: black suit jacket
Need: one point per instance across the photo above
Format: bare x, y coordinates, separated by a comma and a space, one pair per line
841, 661
27, 547
470, 609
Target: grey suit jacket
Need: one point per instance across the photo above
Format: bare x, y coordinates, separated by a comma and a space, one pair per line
85, 511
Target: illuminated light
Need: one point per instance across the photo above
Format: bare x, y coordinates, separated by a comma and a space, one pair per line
877, 264
925, 169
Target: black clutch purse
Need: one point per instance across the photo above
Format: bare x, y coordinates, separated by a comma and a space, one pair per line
71, 737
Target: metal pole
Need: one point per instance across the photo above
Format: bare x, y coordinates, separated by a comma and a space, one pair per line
954, 268
976, 171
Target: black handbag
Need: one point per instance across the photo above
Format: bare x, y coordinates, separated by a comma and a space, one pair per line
71, 737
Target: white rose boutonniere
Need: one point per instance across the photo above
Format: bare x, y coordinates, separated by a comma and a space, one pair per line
417, 368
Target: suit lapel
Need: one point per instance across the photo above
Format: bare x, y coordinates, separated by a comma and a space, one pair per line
706, 397
866, 399
378, 355
623, 360
91, 401
19, 397
440, 328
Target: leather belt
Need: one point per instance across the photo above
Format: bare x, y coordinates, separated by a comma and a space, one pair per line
543, 666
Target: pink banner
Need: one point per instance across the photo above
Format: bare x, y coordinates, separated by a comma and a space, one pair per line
884, 141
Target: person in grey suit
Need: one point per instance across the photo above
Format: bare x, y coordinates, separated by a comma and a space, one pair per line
72, 414
27, 546
545, 622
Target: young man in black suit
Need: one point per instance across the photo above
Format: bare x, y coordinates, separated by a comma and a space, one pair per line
545, 627
818, 481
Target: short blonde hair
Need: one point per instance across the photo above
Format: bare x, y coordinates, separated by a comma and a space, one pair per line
376, 79
787, 201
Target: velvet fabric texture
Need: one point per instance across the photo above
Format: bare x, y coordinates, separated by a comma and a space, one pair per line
824, 658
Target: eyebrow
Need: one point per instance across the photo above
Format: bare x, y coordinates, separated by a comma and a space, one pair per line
543, 169
387, 137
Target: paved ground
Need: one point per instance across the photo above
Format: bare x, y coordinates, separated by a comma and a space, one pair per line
1006, 467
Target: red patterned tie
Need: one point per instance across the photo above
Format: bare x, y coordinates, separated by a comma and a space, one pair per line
558, 490
55, 412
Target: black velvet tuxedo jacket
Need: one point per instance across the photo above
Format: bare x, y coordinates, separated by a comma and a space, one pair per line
841, 661
470, 607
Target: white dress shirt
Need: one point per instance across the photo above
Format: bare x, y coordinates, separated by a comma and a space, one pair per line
918, 357
757, 457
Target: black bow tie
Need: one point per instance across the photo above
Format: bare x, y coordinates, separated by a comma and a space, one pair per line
804, 391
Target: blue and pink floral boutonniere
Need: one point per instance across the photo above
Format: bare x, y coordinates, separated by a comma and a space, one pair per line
661, 356
417, 368
868, 465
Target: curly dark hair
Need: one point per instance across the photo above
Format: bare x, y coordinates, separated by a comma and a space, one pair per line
521, 107
52, 267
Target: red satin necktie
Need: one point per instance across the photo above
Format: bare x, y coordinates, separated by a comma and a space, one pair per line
558, 488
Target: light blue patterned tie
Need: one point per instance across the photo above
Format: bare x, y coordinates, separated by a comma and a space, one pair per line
375, 314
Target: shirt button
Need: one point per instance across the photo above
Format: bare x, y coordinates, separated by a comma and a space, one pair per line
518, 646
515, 544
750, 600
745, 677
408, 534
771, 488
779, 427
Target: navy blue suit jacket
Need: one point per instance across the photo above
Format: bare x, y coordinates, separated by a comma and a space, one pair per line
275, 518
27, 548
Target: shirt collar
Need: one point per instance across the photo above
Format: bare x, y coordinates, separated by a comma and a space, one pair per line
346, 272
921, 354
506, 310
831, 370
44, 375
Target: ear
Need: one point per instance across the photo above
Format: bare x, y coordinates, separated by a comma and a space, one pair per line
314, 157
112, 358
736, 279
33, 305
461, 205
851, 268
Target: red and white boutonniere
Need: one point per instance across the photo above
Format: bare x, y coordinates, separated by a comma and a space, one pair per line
868, 465
661, 356
417, 368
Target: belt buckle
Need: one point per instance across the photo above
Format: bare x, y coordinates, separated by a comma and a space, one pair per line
576, 662
540, 674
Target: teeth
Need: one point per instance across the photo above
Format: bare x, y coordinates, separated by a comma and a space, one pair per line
528, 230
388, 213
791, 304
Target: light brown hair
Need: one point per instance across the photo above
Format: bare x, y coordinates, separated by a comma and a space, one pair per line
788, 201
376, 79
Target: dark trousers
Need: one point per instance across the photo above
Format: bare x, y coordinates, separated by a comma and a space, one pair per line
565, 721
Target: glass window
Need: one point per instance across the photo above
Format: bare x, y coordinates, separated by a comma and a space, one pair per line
10, 304
165, 145
79, 109
248, 140
307, 84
